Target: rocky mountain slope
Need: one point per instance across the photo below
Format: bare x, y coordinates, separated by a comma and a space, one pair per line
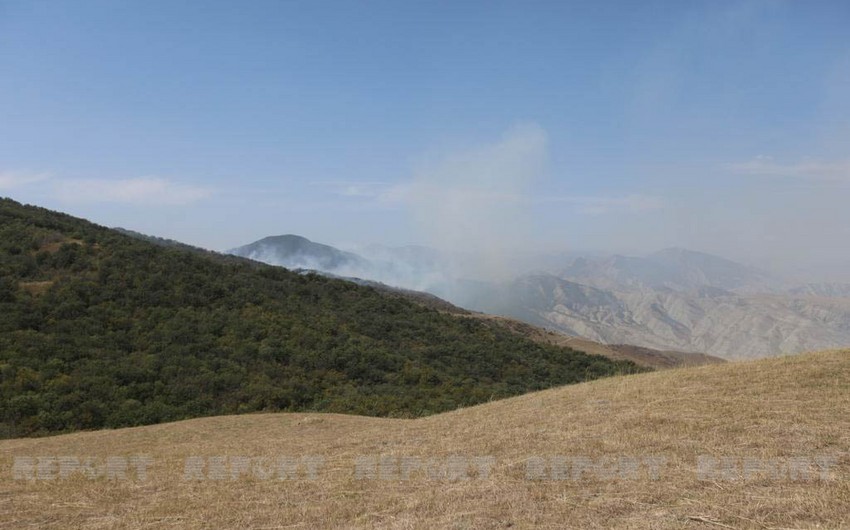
685, 300
710, 320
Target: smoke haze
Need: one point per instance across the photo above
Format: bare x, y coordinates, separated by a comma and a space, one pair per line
477, 203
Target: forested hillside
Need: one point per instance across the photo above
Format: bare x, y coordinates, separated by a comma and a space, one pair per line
100, 329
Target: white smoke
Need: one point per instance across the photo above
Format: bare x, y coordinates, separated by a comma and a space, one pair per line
476, 204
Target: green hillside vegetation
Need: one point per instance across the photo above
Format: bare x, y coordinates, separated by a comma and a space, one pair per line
101, 329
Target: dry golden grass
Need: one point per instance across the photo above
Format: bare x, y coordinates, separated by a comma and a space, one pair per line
36, 288
771, 409
53, 243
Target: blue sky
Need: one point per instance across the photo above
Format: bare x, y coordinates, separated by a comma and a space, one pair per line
629, 126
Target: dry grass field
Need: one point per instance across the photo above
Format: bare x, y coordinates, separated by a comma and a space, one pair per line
621, 452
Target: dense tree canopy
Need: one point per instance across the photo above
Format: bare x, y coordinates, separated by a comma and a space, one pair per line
101, 329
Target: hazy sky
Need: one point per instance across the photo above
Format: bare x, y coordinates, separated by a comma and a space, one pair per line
629, 126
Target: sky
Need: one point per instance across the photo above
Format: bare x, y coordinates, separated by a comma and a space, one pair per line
721, 126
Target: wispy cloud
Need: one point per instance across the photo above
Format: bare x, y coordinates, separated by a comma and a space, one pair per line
15, 179
605, 205
141, 190
356, 189
589, 205
766, 166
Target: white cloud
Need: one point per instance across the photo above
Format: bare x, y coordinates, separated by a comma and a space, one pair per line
16, 179
837, 171
141, 190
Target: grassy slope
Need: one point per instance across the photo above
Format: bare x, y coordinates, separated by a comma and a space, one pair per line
776, 408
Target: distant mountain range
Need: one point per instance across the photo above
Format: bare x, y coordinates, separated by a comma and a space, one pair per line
674, 268
674, 299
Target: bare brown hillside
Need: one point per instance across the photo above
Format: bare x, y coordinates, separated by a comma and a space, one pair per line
648, 357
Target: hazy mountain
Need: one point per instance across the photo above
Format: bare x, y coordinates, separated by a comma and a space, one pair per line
826, 290
409, 267
673, 268
296, 252
674, 299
